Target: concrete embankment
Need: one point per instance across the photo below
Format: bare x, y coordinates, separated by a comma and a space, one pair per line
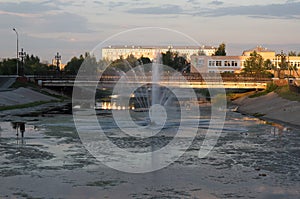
25, 101
22, 96
272, 107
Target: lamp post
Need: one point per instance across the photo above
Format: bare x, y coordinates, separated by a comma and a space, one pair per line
22, 54
17, 50
57, 58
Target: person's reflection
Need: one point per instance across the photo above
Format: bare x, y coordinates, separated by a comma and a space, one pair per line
22, 129
277, 129
21, 126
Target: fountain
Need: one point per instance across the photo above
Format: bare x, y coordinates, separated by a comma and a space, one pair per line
156, 132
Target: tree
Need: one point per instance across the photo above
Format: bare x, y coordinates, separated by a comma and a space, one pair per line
73, 65
292, 53
144, 60
175, 61
8, 67
283, 65
268, 65
254, 65
221, 51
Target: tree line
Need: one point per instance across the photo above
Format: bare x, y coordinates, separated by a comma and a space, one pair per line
256, 66
32, 64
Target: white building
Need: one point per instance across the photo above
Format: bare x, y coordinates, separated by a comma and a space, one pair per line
220, 64
115, 52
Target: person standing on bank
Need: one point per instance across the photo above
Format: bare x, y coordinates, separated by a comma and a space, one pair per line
22, 129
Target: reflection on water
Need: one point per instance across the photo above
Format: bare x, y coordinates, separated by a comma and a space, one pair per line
112, 106
253, 159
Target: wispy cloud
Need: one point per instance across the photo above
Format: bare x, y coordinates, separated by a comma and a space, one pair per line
286, 10
217, 2
26, 7
157, 10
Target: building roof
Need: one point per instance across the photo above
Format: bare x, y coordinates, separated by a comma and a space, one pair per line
259, 49
157, 47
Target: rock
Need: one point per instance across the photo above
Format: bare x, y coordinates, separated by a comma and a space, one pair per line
257, 168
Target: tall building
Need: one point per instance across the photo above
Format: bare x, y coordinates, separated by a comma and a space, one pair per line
115, 52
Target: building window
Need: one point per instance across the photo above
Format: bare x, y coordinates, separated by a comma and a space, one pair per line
226, 63
200, 61
218, 63
211, 63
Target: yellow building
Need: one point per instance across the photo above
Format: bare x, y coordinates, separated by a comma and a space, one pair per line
61, 65
234, 64
264, 52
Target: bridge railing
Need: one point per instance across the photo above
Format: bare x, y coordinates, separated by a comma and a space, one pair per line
192, 78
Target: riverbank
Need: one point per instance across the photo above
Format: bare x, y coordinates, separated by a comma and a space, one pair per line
30, 102
270, 107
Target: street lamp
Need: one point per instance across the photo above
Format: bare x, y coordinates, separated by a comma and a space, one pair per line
57, 58
22, 54
17, 50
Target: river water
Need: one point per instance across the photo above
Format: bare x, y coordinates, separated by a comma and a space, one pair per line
252, 159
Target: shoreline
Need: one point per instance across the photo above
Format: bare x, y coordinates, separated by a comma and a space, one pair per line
45, 108
22, 102
270, 107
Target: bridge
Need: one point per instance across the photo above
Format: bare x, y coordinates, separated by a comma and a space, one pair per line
187, 81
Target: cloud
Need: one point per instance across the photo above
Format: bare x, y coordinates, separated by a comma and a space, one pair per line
26, 7
114, 4
159, 10
286, 10
217, 3
64, 22
46, 23
98, 2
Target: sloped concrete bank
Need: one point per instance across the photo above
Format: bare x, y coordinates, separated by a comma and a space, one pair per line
270, 107
25, 96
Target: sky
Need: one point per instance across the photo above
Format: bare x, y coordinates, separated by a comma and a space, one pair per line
72, 27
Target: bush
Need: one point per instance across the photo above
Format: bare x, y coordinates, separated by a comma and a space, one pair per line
270, 88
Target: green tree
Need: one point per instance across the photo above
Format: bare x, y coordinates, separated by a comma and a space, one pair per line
73, 65
283, 65
268, 65
175, 61
254, 65
292, 53
33, 66
144, 60
8, 67
221, 51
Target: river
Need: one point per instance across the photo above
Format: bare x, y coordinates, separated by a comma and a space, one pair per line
252, 159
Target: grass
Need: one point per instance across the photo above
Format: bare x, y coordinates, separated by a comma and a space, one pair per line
28, 105
282, 91
234, 96
62, 98
270, 88
285, 93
